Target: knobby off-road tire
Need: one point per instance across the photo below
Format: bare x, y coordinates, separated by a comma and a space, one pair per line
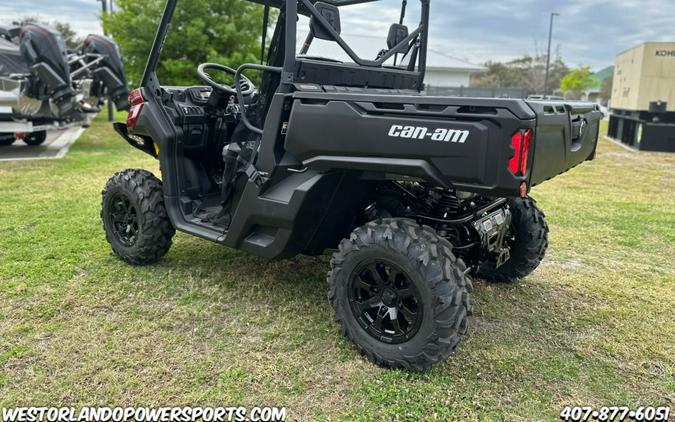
134, 217
418, 266
528, 239
35, 138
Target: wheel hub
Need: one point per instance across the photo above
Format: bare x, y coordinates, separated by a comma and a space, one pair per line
389, 298
124, 219
385, 301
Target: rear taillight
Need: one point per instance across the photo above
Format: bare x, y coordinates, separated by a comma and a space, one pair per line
525, 153
136, 102
520, 141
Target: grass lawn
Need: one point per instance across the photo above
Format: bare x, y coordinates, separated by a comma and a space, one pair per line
212, 326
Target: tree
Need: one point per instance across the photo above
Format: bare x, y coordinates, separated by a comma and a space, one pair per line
219, 31
69, 35
576, 81
524, 72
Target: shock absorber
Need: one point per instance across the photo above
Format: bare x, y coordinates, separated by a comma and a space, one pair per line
447, 203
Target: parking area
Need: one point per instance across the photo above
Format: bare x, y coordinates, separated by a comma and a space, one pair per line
56, 146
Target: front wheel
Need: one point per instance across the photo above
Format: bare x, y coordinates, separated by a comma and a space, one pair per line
35, 138
527, 238
134, 218
399, 293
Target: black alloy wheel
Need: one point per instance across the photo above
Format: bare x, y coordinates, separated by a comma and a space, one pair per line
385, 302
124, 218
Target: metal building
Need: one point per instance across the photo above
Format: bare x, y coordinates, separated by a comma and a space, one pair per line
643, 97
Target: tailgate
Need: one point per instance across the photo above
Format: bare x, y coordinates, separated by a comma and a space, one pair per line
566, 135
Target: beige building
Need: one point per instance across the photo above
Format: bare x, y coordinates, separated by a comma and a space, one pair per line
644, 74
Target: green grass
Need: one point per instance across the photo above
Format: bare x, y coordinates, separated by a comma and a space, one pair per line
212, 326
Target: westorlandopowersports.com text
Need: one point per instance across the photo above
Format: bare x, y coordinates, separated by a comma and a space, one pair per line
149, 414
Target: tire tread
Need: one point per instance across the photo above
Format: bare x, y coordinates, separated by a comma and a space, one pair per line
157, 232
531, 222
443, 272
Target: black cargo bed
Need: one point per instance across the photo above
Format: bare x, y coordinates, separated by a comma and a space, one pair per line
566, 136
461, 142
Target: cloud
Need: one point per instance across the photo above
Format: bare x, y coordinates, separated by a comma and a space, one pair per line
82, 15
585, 33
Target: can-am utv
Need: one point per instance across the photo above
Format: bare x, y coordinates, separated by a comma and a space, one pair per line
43, 85
411, 193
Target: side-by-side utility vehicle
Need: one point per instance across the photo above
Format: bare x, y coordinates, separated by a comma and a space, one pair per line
412, 194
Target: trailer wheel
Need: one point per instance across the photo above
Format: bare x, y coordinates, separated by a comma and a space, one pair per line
134, 217
528, 239
6, 139
399, 293
35, 138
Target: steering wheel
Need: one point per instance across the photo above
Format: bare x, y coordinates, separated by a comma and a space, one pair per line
246, 85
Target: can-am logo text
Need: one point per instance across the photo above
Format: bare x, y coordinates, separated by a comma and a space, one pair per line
421, 132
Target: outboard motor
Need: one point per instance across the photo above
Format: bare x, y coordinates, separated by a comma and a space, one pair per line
44, 51
11, 61
109, 79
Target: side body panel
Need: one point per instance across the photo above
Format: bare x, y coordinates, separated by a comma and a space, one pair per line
300, 213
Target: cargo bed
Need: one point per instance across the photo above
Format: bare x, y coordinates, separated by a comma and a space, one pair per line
467, 143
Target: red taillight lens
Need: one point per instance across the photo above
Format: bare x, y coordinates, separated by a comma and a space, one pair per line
516, 142
520, 141
136, 102
136, 97
525, 153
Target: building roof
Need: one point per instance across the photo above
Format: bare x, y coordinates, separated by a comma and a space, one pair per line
646, 43
439, 60
367, 46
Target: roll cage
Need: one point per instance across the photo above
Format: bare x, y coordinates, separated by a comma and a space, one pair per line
288, 70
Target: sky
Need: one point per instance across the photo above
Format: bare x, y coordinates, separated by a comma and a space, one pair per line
587, 32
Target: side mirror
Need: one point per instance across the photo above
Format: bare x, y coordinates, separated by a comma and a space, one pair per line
331, 14
397, 33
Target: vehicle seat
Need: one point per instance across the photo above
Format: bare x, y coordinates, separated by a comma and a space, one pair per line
397, 33
325, 71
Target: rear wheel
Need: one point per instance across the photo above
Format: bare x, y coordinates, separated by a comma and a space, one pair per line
399, 293
528, 239
35, 138
134, 218
6, 139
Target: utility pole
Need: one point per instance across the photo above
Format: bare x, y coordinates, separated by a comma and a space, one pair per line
104, 10
548, 53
